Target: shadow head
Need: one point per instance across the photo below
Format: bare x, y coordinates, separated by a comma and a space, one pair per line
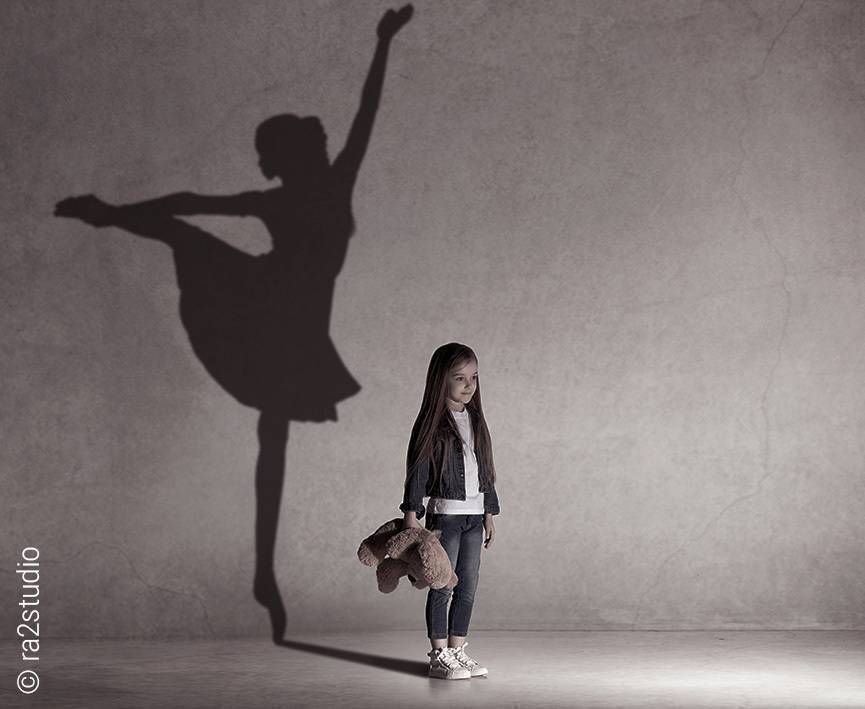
291, 148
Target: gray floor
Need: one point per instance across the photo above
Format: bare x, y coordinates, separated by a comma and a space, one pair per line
527, 669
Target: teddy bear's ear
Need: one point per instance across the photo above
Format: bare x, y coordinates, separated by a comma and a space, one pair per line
437, 533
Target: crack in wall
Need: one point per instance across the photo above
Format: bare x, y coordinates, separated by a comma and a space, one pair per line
772, 44
765, 453
205, 618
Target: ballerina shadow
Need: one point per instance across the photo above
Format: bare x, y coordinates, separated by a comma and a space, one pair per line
260, 324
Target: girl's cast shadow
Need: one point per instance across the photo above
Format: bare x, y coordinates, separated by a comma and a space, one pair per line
260, 324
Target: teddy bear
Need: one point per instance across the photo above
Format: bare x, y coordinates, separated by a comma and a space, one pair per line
414, 552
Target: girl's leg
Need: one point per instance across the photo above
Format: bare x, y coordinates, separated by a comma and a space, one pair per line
467, 569
437, 616
437, 599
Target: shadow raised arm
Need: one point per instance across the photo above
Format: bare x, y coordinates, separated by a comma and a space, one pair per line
352, 154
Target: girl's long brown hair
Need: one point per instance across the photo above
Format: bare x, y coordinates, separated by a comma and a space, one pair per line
434, 427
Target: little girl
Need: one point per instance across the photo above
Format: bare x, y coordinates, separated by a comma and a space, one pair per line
450, 460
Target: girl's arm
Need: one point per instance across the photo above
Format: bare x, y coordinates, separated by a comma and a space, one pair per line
349, 160
489, 530
491, 501
415, 490
491, 507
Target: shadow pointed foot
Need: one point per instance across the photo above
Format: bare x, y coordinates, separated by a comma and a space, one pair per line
266, 592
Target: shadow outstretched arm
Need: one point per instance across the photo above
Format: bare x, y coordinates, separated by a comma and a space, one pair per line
189, 203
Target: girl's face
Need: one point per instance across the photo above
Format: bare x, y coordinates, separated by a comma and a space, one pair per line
462, 383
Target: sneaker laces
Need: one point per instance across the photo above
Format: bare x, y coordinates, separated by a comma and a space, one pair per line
460, 654
448, 658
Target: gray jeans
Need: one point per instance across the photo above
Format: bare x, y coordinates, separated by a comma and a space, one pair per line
462, 537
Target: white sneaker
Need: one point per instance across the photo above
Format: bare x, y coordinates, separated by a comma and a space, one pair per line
444, 665
473, 666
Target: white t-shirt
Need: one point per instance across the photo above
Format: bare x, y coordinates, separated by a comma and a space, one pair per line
474, 502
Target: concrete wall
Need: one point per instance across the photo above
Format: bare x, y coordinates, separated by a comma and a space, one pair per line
646, 218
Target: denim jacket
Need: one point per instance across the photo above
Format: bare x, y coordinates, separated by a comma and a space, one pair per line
420, 484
